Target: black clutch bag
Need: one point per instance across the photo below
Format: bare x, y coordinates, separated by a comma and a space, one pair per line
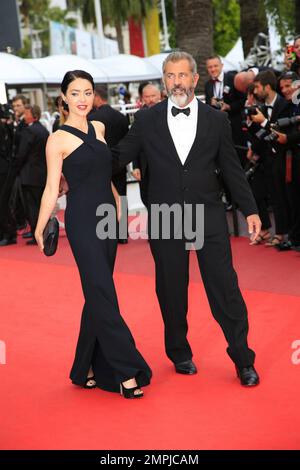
50, 236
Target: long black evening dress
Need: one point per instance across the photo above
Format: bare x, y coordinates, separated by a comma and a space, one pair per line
105, 341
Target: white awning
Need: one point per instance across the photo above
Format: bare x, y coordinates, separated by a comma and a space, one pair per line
127, 68
17, 71
158, 59
54, 67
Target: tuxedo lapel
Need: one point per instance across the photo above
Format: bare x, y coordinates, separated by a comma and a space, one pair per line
211, 91
276, 108
202, 129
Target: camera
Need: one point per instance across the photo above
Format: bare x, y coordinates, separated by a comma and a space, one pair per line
286, 122
251, 169
266, 135
250, 111
219, 103
6, 112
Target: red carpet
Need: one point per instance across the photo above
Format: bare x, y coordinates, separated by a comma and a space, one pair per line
41, 305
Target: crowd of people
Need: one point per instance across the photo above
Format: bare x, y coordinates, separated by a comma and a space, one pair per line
262, 106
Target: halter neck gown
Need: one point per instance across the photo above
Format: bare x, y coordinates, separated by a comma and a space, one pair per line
105, 341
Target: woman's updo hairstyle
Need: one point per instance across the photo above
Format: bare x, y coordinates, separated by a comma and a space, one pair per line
70, 77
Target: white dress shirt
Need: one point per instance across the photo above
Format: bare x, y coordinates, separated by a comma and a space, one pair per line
269, 110
219, 86
183, 128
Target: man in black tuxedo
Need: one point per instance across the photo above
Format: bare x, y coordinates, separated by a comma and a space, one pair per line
116, 127
7, 226
183, 143
274, 153
30, 162
151, 95
221, 93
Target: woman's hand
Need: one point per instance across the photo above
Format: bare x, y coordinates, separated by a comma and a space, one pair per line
39, 238
118, 202
119, 207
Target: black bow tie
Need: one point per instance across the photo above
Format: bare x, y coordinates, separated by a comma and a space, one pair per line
176, 111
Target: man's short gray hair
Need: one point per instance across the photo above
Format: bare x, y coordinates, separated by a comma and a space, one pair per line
180, 55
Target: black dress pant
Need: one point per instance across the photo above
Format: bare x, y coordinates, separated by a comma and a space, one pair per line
258, 184
278, 192
120, 183
221, 285
32, 196
7, 222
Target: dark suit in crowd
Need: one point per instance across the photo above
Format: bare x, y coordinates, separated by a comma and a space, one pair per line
236, 101
7, 229
30, 162
273, 157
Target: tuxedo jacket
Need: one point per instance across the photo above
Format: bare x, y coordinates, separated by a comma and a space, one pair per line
195, 182
116, 124
30, 160
116, 127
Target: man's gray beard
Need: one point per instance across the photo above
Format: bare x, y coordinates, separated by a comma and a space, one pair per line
181, 100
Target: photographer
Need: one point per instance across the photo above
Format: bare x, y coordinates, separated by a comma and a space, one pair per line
289, 84
274, 154
254, 169
221, 94
7, 229
292, 56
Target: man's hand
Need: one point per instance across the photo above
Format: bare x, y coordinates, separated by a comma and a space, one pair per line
254, 226
226, 107
259, 118
214, 102
282, 138
63, 186
136, 173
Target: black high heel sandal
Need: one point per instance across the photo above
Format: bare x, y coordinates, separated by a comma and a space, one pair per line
86, 385
129, 392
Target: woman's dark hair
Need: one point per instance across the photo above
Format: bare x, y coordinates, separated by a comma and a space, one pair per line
70, 77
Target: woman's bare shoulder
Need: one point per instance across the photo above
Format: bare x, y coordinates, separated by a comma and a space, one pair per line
98, 126
57, 140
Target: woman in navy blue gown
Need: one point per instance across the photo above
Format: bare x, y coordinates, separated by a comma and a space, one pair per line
106, 355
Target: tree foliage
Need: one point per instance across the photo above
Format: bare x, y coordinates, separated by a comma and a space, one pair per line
226, 17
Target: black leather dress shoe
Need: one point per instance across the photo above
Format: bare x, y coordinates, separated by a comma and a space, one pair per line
284, 246
27, 235
8, 241
31, 242
186, 367
248, 376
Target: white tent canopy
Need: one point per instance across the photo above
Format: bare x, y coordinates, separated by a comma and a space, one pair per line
17, 71
158, 59
127, 68
54, 67
236, 55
